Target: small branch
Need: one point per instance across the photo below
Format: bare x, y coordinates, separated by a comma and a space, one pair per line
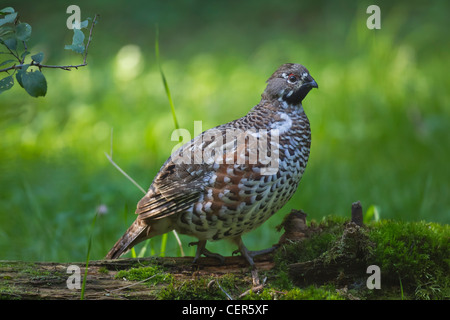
10, 52
90, 39
35, 64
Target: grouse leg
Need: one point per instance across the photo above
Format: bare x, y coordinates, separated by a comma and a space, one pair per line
201, 250
249, 255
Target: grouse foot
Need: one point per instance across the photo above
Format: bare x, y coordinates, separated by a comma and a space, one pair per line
201, 250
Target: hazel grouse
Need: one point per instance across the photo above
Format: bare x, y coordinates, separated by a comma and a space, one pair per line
222, 197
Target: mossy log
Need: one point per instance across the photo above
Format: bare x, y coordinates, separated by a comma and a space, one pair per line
336, 252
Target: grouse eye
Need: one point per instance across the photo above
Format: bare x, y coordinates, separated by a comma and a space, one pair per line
292, 78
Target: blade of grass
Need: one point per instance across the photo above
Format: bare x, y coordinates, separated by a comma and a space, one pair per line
83, 286
125, 214
124, 173
372, 214
163, 77
179, 242
144, 248
163, 245
401, 288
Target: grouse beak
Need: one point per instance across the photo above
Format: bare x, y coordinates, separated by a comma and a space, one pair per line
311, 83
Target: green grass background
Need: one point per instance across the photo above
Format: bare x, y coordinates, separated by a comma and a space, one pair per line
380, 120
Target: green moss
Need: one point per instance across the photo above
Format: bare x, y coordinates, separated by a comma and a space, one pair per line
352, 244
205, 288
415, 253
9, 292
413, 258
19, 266
189, 290
103, 270
38, 274
325, 234
151, 275
308, 293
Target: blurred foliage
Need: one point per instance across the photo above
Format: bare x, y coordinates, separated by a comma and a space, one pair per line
379, 120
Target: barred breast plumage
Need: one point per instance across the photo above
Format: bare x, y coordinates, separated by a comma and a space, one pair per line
230, 179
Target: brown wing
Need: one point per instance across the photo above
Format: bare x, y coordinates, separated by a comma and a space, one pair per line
176, 187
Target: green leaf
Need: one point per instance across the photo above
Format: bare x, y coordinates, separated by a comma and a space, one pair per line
78, 37
6, 83
23, 31
9, 18
84, 24
34, 83
5, 30
10, 42
20, 72
77, 49
38, 57
19, 78
7, 10
77, 42
6, 62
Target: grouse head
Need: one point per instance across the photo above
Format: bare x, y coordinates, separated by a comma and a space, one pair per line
290, 83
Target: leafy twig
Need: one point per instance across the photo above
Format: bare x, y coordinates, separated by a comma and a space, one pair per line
13, 32
40, 65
